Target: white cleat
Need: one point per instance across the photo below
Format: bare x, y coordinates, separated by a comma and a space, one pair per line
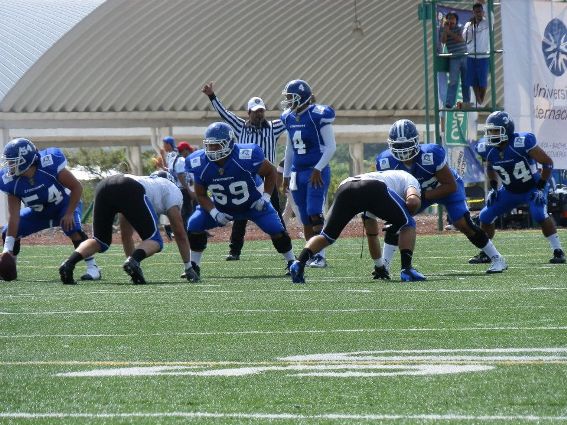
317, 262
497, 264
93, 273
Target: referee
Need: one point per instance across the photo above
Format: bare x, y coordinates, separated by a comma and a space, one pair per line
256, 129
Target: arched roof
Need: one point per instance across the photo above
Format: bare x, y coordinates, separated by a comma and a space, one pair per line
147, 60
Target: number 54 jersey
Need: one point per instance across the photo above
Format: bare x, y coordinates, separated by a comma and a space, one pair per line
43, 193
517, 170
233, 185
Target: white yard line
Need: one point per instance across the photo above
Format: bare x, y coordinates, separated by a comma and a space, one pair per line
305, 331
284, 416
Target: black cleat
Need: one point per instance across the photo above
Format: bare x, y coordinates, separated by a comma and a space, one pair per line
480, 258
558, 257
197, 270
233, 257
381, 273
66, 273
133, 269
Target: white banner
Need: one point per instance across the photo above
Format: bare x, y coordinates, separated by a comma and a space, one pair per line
534, 36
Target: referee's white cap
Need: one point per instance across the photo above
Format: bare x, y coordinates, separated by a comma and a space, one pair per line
256, 103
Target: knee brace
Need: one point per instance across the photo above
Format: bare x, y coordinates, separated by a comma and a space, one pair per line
479, 239
83, 237
282, 242
391, 237
317, 222
198, 241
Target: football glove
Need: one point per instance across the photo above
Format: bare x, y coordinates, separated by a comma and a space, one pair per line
221, 218
492, 197
538, 197
262, 203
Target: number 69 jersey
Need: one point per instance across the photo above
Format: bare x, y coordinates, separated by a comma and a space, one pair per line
517, 170
43, 193
233, 185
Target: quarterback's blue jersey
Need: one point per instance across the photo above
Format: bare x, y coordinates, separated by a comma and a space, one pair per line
430, 159
234, 185
517, 170
43, 193
304, 132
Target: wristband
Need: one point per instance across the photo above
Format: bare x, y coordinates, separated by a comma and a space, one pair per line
214, 212
267, 197
9, 244
494, 184
547, 166
539, 185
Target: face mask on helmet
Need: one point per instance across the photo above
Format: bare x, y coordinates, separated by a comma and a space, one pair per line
499, 128
19, 156
219, 141
403, 140
296, 94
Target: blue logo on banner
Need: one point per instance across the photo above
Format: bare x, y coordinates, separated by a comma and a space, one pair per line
554, 47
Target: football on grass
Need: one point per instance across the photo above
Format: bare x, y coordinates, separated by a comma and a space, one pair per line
8, 267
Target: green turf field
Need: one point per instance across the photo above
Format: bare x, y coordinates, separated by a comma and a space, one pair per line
247, 346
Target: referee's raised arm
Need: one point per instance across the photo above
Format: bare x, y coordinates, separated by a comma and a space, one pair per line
231, 119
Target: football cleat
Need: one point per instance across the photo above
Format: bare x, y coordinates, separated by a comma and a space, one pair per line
196, 268
191, 275
66, 273
411, 275
498, 265
133, 269
289, 263
480, 258
558, 257
296, 270
233, 257
93, 273
317, 262
381, 273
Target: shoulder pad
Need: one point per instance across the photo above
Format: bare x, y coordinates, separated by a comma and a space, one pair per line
245, 153
384, 163
481, 147
46, 160
195, 161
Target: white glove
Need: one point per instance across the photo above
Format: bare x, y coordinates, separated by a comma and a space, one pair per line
221, 218
261, 204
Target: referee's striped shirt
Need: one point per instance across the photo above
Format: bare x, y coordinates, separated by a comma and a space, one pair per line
266, 136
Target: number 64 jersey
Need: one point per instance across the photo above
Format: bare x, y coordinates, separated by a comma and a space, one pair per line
43, 193
517, 170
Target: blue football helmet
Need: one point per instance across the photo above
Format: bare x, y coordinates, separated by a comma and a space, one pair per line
403, 140
219, 141
499, 128
19, 155
296, 93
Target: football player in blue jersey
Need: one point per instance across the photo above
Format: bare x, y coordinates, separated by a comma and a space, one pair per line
231, 173
439, 184
50, 193
311, 145
512, 158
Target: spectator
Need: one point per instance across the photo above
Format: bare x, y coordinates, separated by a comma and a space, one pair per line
50, 193
476, 34
177, 169
451, 36
256, 129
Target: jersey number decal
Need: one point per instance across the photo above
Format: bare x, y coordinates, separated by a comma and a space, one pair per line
520, 173
298, 143
54, 196
238, 190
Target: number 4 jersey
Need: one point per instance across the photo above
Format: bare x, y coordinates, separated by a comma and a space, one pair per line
517, 170
42, 193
